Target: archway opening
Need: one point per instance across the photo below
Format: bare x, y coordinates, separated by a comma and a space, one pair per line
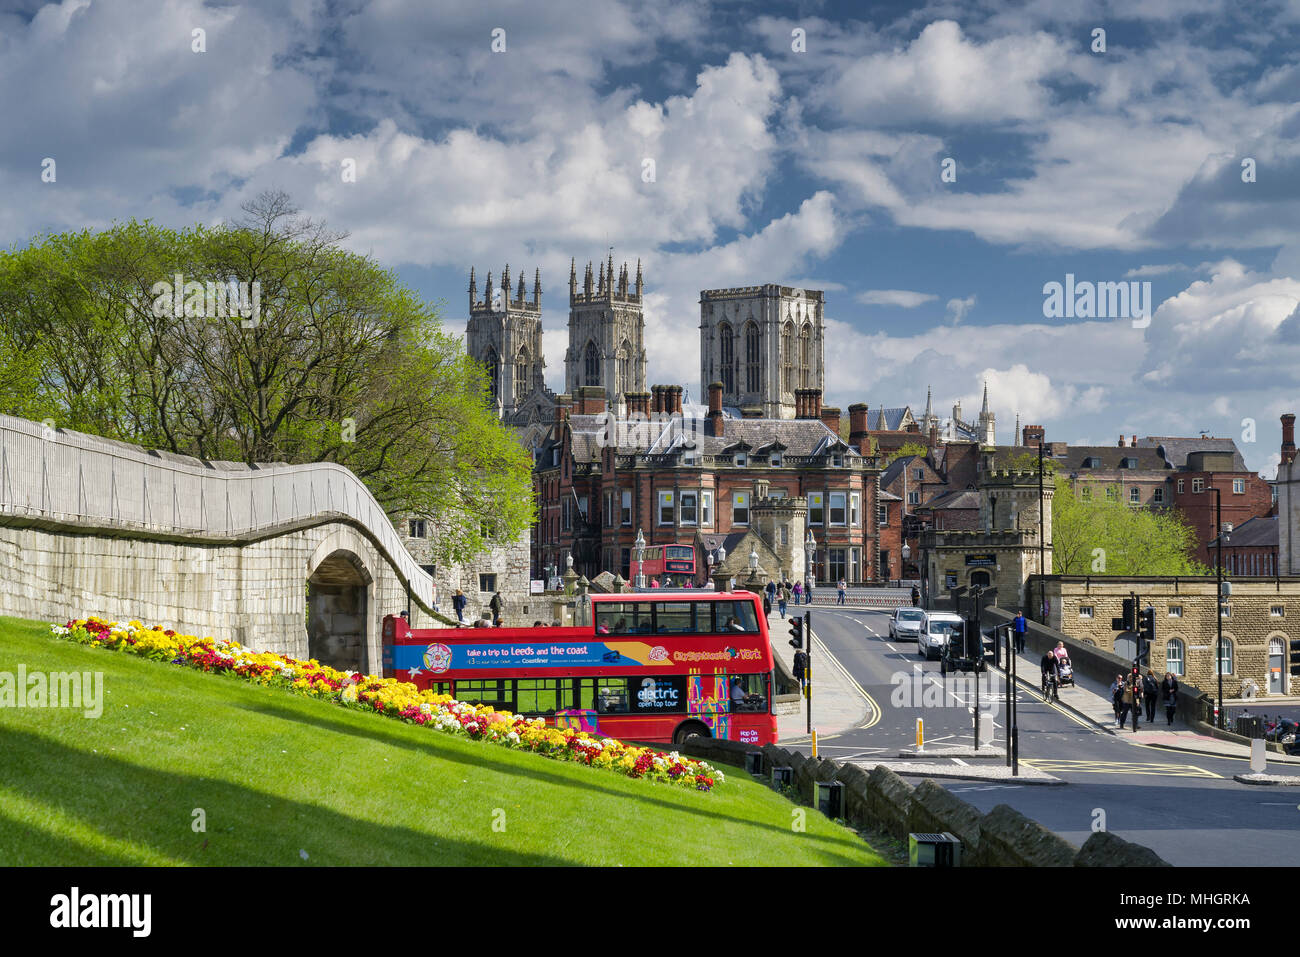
337, 613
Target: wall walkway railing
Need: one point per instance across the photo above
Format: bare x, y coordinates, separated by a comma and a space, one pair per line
72, 478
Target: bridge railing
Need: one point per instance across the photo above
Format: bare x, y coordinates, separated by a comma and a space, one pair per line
66, 476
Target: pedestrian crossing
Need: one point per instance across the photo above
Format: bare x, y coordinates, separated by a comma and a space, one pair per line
1083, 766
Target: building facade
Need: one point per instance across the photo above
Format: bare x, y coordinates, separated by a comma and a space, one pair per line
606, 331
504, 334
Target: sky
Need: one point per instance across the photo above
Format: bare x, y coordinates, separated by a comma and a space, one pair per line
933, 167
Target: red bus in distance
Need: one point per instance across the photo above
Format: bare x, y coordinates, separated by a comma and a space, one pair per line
658, 668
668, 564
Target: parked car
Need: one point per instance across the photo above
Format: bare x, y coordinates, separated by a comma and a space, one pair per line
906, 623
936, 627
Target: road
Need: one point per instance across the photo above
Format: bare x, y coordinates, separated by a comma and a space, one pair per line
1185, 807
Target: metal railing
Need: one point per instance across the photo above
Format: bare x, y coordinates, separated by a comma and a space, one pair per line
73, 478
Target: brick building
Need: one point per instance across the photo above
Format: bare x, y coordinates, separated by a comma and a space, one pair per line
1250, 548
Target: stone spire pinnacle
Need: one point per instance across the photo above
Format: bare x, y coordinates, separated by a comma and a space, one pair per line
473, 289
639, 284
573, 276
984, 410
537, 287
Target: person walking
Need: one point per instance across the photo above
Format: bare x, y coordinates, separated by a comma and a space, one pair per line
1117, 699
1018, 627
1051, 666
1150, 695
1133, 697
782, 597
458, 603
495, 604
1169, 687
916, 597
807, 593
767, 603
800, 669
843, 592
798, 593
770, 588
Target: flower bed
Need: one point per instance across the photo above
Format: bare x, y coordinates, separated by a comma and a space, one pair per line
396, 699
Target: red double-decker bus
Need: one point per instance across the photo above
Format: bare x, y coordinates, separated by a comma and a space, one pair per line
651, 667
667, 564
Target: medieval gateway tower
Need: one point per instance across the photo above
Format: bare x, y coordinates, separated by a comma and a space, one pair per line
762, 343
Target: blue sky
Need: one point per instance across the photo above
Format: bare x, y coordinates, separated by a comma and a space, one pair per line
819, 167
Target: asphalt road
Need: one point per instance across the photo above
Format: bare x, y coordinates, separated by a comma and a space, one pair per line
1184, 806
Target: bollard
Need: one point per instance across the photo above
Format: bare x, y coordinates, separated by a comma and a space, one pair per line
1258, 756
920, 734
814, 743
986, 727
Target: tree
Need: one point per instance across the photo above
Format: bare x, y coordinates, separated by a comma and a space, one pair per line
1028, 462
324, 357
908, 448
1095, 534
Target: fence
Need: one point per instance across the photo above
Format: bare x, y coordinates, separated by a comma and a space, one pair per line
75, 479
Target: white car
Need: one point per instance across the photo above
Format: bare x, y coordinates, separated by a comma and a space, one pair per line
936, 627
906, 623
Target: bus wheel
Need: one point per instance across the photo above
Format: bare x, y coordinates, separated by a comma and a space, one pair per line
691, 729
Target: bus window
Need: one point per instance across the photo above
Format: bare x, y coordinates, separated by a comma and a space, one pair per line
494, 694
623, 618
731, 616
610, 694
747, 693
677, 617
543, 695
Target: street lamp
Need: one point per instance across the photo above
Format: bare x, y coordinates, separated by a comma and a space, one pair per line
753, 560
639, 547
1218, 576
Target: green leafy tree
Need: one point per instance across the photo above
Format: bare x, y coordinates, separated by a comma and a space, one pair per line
908, 448
1097, 534
340, 363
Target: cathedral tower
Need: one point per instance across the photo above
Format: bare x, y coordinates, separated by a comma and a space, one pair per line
762, 343
504, 333
606, 332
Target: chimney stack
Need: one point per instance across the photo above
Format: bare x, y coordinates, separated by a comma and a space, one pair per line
1033, 435
831, 418
1121, 441
563, 406
1134, 443
1288, 437
673, 399
715, 409
591, 400
858, 428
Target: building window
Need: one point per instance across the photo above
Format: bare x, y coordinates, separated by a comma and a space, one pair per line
1158, 496
1110, 494
567, 514
1180, 486
1277, 611
805, 354
839, 564
882, 514
1175, 611
787, 357
1198, 485
1134, 496
741, 460
918, 474
430, 570
689, 500
706, 508
1085, 611
816, 509
740, 508
775, 459
913, 498
785, 534
855, 503
582, 507
1238, 486
626, 517
727, 352
1085, 494
753, 355
1174, 656
837, 508
591, 364
487, 583
837, 461
1225, 658
665, 508
417, 528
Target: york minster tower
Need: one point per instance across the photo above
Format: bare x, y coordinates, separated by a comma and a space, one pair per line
504, 333
762, 343
606, 332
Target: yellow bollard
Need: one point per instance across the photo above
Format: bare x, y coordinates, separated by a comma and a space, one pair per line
920, 734
814, 742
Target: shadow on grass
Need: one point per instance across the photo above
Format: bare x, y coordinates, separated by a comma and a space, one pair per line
374, 729
151, 808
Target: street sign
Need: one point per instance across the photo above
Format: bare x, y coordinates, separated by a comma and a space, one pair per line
981, 559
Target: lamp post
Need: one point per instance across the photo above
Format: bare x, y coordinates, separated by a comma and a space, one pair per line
906, 553
1218, 594
753, 569
810, 561
639, 547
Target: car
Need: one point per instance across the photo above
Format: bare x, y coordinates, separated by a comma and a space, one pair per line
906, 623
936, 627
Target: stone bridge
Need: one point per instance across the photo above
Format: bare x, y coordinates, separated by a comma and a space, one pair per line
298, 559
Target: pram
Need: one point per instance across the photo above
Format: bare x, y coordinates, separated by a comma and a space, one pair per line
1067, 672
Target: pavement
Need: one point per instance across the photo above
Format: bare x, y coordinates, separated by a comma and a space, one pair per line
1090, 699
838, 702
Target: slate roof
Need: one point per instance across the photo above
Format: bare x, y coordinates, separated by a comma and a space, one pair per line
799, 437
894, 419
1255, 533
1148, 459
1175, 449
895, 468
958, 498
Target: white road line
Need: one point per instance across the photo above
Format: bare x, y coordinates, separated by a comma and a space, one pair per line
961, 762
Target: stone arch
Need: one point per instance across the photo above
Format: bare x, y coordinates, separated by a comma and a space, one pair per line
753, 357
522, 381
492, 362
805, 355
340, 599
980, 576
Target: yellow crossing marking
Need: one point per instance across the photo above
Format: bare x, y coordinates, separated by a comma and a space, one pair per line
1120, 767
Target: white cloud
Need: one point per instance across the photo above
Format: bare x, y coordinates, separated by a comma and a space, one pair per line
903, 298
958, 308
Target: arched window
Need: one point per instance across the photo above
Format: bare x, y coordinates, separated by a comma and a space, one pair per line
492, 362
805, 356
625, 368
591, 364
753, 357
727, 354
521, 375
1174, 656
787, 357
1225, 657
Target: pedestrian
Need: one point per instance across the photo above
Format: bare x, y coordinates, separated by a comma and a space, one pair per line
1051, 667
798, 592
782, 597
916, 597
843, 592
800, 669
767, 604
1170, 689
1117, 699
654, 583
807, 593
1018, 626
495, 604
1150, 695
770, 588
458, 603
1133, 697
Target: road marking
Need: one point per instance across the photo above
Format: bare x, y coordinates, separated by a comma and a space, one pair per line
876, 713
961, 762
1119, 767
989, 787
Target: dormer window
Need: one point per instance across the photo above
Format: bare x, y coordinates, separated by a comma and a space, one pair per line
837, 461
689, 457
1092, 462
1128, 463
776, 458
740, 460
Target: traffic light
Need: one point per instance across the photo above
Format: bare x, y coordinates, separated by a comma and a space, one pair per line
1295, 656
1146, 634
796, 632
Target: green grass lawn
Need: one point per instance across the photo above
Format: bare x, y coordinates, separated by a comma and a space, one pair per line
277, 775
